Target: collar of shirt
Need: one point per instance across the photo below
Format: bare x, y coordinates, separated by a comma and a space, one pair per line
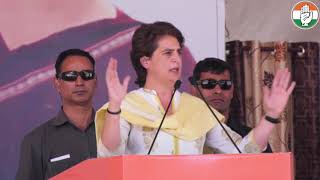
151, 96
150, 91
62, 118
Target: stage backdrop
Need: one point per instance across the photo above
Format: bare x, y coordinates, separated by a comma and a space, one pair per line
34, 32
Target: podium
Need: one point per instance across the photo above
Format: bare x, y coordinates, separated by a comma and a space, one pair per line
273, 166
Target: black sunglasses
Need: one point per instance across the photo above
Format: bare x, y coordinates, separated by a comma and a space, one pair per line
211, 84
73, 75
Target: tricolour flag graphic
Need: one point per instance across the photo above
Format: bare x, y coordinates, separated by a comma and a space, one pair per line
305, 14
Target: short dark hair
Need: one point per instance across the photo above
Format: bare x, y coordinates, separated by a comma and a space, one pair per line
145, 42
213, 65
71, 52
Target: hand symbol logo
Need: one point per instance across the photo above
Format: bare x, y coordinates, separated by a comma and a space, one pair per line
305, 15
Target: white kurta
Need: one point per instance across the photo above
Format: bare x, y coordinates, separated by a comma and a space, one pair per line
136, 139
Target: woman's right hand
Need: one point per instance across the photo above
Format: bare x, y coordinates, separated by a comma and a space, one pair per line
116, 90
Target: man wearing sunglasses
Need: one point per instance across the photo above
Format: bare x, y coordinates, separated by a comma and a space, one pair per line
214, 78
69, 137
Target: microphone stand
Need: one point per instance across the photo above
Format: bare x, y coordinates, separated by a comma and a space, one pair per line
177, 85
194, 83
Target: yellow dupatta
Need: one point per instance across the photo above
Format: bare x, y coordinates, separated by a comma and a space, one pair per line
191, 121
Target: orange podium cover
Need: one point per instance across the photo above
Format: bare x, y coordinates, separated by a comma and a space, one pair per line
273, 166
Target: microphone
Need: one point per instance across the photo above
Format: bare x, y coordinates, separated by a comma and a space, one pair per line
193, 82
177, 85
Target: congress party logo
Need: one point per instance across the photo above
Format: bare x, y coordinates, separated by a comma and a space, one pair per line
305, 15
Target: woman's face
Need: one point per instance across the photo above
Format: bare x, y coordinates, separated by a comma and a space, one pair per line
165, 64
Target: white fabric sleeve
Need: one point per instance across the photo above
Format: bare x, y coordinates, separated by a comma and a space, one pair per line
102, 151
218, 140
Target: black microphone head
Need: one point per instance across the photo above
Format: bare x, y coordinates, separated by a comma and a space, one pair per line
177, 84
192, 80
